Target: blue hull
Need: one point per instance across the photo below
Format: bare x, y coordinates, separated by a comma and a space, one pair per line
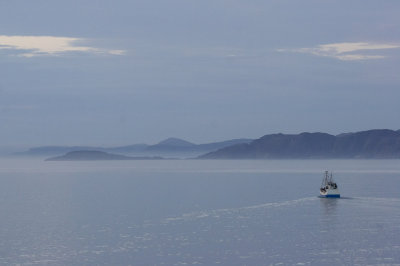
330, 196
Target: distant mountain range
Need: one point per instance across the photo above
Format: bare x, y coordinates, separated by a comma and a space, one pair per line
378, 144
171, 147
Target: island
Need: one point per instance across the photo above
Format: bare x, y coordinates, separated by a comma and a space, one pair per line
96, 156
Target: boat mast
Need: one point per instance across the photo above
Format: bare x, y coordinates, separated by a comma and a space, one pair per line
325, 180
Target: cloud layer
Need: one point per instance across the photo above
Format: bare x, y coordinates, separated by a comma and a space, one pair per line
29, 46
346, 51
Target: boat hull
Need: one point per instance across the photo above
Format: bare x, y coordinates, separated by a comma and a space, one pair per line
330, 196
330, 193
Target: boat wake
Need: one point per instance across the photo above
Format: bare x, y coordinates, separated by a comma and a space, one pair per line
394, 200
218, 212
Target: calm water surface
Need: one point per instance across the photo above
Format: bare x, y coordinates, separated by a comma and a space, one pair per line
188, 212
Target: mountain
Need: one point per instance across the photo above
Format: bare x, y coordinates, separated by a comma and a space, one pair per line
94, 156
174, 142
378, 143
172, 145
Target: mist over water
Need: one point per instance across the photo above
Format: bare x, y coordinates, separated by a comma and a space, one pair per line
188, 212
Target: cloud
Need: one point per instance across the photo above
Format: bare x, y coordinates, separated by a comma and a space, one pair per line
346, 51
30, 46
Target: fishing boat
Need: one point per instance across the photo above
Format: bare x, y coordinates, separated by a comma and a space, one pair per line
329, 188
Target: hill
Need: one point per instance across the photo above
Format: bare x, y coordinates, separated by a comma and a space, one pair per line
378, 143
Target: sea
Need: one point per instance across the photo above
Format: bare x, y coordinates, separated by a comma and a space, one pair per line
198, 212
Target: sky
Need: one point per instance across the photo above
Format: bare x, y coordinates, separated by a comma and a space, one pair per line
100, 72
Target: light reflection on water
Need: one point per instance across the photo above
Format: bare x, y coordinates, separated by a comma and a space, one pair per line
198, 212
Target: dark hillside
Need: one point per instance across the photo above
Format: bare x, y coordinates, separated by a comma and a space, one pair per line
378, 143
